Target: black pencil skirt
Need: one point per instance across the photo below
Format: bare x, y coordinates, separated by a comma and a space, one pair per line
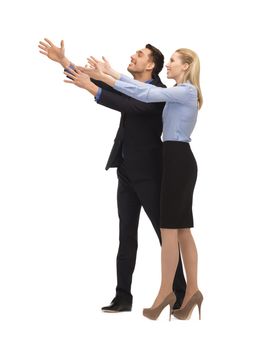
178, 182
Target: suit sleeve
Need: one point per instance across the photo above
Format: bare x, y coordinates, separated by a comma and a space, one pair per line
125, 104
104, 86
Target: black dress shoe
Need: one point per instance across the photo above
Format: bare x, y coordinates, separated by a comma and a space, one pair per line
117, 305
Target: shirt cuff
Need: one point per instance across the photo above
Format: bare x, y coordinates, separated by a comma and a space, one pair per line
71, 67
98, 95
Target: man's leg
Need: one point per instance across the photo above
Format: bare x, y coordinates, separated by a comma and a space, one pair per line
129, 208
149, 195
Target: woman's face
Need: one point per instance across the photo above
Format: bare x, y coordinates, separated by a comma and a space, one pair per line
175, 67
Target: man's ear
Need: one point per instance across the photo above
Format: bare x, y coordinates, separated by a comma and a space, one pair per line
150, 66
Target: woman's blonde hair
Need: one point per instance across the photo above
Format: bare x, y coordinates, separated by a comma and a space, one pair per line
193, 72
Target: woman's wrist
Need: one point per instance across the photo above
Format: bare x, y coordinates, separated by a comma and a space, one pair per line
109, 80
113, 73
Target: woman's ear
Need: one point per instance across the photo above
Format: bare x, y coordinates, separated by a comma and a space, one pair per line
186, 66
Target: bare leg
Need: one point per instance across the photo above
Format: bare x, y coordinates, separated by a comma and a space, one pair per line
190, 259
169, 262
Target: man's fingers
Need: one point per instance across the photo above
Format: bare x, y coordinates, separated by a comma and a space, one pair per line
69, 81
103, 57
69, 75
44, 45
71, 71
43, 53
62, 44
49, 42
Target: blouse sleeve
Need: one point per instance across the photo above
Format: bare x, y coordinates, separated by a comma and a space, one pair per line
150, 93
127, 79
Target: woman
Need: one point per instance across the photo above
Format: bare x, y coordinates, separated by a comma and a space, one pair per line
179, 167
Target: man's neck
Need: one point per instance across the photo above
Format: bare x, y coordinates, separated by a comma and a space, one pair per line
142, 76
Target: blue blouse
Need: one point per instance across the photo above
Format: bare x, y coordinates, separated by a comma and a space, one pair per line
180, 111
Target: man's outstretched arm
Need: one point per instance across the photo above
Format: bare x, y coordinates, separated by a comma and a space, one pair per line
55, 53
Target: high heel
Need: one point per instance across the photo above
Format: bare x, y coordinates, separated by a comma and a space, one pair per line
186, 311
153, 313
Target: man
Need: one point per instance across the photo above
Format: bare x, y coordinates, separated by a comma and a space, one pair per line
137, 154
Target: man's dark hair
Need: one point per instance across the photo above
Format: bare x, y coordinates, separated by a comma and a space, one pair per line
157, 58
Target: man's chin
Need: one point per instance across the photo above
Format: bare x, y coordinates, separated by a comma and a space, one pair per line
130, 69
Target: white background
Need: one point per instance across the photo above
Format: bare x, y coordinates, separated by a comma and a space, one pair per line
58, 212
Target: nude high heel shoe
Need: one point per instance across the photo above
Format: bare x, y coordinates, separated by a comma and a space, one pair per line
153, 313
186, 311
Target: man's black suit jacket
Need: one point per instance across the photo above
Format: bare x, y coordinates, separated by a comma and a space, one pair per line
138, 139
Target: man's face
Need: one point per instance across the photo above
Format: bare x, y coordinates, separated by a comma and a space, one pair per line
141, 61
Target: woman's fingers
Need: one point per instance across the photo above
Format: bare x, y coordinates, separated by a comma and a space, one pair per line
91, 62
94, 59
88, 70
80, 68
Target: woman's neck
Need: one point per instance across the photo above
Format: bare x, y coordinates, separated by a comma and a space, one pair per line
180, 79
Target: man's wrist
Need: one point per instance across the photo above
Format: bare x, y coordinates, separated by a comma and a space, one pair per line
65, 62
92, 88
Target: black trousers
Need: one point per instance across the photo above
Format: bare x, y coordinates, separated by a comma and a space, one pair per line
131, 196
